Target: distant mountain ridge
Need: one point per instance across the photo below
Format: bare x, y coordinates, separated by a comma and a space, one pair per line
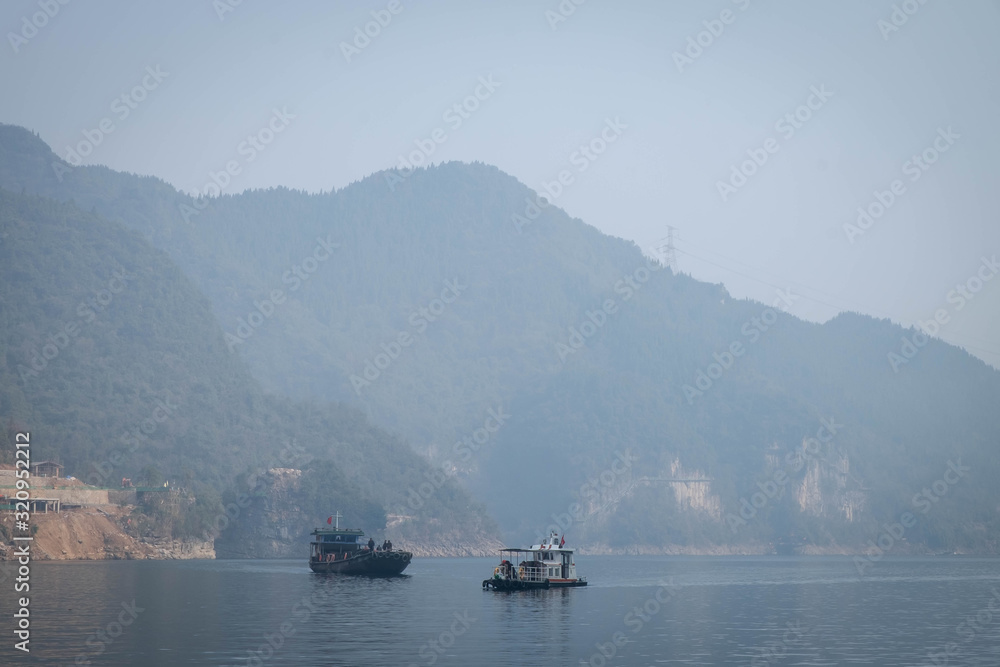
592, 349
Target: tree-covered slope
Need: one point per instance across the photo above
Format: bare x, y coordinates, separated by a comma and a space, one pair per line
115, 363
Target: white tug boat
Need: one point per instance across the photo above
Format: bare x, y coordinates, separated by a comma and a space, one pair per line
546, 565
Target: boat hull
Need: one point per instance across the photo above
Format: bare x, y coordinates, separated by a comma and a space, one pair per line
515, 585
372, 564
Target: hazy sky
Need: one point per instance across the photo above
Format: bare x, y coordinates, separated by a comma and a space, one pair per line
880, 94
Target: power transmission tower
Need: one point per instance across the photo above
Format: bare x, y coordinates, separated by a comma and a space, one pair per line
669, 250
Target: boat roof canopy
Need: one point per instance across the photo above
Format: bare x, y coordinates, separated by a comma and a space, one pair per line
338, 531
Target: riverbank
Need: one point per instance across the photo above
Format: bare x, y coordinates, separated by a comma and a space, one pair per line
98, 534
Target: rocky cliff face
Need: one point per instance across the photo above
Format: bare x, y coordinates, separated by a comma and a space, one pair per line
816, 481
693, 490
95, 533
270, 523
828, 489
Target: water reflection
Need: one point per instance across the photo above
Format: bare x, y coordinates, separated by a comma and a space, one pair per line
537, 622
733, 611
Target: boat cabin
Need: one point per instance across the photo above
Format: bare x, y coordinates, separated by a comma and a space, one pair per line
548, 561
335, 544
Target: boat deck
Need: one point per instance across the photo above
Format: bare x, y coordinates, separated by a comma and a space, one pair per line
517, 585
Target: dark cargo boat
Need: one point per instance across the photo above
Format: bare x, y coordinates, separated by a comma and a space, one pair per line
341, 551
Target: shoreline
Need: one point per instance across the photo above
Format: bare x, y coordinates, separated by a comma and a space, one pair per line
181, 550
106, 533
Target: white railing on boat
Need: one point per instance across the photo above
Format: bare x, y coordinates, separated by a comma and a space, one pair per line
531, 575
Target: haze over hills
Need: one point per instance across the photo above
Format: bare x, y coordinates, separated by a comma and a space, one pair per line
114, 362
634, 408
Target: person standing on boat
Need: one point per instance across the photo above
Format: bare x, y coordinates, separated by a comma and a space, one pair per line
371, 544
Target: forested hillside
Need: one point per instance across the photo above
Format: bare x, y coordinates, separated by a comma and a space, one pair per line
522, 349
114, 362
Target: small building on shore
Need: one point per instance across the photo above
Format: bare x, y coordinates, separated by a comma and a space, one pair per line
46, 469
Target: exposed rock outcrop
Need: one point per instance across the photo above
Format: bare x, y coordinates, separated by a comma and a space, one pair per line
99, 534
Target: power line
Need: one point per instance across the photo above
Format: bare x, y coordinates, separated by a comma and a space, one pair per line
767, 273
956, 342
974, 347
749, 277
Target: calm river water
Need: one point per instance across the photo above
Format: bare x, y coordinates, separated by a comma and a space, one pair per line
636, 611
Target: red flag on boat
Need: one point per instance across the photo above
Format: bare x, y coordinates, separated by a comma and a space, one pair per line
562, 541
329, 521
